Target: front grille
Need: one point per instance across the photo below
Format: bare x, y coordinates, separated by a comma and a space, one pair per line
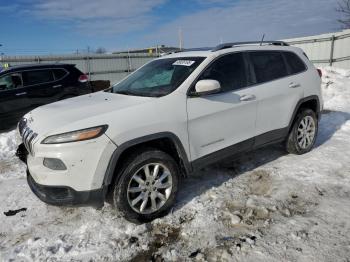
27, 135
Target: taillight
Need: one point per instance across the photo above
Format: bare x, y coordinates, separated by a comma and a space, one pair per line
319, 72
83, 78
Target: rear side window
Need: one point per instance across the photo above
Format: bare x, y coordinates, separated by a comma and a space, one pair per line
229, 70
295, 63
59, 73
268, 66
37, 77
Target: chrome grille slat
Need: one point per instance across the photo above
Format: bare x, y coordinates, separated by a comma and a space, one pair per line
30, 141
25, 138
21, 126
27, 135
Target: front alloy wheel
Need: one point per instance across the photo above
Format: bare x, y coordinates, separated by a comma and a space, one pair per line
147, 185
149, 188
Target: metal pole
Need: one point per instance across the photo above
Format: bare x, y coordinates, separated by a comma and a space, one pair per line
129, 62
88, 63
2, 54
332, 51
180, 39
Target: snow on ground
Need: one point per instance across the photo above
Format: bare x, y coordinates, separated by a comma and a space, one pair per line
7, 145
265, 206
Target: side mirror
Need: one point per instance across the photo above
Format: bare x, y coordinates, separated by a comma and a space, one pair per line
207, 87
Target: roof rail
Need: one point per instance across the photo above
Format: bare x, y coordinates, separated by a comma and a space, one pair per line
198, 49
190, 49
229, 45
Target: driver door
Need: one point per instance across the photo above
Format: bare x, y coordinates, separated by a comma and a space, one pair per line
223, 124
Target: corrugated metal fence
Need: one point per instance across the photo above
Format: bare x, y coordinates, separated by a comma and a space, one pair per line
98, 66
326, 49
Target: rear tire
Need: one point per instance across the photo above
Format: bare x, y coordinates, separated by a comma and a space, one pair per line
303, 133
147, 186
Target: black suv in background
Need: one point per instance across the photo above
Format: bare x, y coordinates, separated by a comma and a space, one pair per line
25, 87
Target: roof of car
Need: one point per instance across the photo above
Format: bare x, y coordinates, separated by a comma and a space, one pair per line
230, 47
33, 66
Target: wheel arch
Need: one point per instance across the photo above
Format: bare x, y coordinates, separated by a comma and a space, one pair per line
310, 102
165, 141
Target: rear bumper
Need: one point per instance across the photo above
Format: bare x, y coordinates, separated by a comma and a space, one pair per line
66, 196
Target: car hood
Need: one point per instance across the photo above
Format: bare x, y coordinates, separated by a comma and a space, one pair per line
87, 108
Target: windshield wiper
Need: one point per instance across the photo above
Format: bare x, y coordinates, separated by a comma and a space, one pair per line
123, 92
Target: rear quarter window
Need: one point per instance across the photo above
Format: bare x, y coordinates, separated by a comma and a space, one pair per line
268, 66
59, 73
296, 65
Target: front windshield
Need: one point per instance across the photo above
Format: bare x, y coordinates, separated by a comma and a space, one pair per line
158, 78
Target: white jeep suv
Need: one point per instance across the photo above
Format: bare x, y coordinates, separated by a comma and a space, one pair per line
130, 144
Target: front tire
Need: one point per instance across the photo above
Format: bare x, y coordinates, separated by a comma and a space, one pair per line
147, 186
303, 134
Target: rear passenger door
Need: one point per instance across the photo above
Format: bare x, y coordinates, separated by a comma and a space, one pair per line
277, 94
41, 86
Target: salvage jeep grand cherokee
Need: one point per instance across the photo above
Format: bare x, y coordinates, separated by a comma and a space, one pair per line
131, 143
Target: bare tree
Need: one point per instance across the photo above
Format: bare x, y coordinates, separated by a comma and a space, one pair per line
344, 10
100, 50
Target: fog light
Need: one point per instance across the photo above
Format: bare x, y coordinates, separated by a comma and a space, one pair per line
54, 164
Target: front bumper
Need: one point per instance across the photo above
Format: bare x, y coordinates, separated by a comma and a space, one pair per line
81, 183
66, 196
86, 163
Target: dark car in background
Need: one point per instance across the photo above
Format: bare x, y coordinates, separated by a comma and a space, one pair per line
25, 87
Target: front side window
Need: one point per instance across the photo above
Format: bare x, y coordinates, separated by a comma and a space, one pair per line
229, 71
268, 66
10, 81
37, 77
159, 77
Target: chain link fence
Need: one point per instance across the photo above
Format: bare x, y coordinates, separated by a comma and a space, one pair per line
331, 49
112, 67
326, 49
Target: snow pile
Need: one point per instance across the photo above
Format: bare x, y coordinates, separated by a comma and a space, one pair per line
265, 206
335, 87
8, 145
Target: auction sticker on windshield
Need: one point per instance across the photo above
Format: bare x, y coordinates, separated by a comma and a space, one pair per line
183, 63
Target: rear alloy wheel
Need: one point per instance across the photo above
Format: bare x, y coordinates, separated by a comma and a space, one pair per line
147, 186
303, 134
306, 132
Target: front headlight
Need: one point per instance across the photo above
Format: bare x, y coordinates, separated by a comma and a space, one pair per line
75, 136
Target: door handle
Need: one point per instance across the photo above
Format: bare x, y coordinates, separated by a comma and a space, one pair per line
21, 94
294, 85
247, 98
56, 86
